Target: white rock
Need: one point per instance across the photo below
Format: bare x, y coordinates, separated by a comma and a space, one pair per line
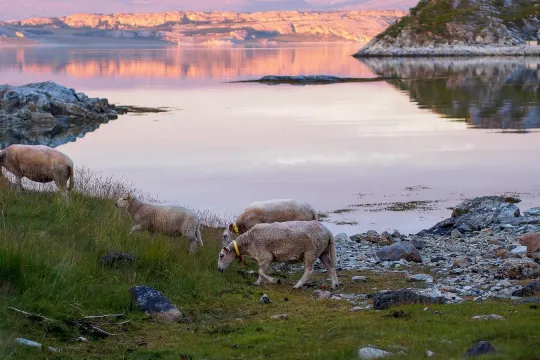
28, 342
519, 250
359, 278
429, 353
372, 353
421, 277
488, 317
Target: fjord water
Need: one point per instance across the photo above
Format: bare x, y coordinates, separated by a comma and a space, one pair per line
450, 129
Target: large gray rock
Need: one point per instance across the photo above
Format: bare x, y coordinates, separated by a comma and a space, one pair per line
400, 250
154, 303
531, 289
480, 348
49, 114
481, 213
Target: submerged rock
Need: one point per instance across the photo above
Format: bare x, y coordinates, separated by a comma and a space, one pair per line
153, 302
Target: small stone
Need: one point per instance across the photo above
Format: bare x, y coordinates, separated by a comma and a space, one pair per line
462, 262
430, 353
532, 212
421, 277
400, 250
480, 348
320, 294
280, 317
265, 299
488, 317
438, 259
359, 279
418, 244
341, 238
27, 342
372, 353
456, 234
519, 250
357, 308
116, 258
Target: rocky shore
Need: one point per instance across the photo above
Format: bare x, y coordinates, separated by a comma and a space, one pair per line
50, 114
479, 253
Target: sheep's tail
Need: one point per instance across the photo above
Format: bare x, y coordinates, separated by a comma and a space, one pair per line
332, 249
198, 234
71, 178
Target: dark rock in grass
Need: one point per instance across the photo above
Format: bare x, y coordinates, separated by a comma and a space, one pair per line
481, 348
385, 299
400, 250
265, 299
153, 302
116, 258
531, 289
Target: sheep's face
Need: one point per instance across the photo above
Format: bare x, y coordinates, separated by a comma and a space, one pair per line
123, 201
228, 236
226, 258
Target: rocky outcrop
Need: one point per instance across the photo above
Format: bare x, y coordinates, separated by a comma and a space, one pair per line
309, 80
482, 213
472, 27
153, 302
48, 114
227, 27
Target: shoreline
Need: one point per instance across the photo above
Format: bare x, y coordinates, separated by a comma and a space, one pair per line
449, 51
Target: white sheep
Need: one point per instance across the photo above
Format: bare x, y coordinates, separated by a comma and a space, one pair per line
38, 163
173, 221
279, 210
286, 242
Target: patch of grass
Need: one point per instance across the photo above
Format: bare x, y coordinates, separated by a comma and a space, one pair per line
49, 265
419, 205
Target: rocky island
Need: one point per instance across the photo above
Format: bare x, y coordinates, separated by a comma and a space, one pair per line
462, 28
50, 114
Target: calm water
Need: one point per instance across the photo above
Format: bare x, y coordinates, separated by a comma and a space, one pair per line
455, 128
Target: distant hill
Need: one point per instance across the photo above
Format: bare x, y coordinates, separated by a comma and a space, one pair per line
185, 27
363, 4
468, 27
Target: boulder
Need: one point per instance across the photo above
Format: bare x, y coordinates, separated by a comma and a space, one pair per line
154, 303
481, 213
116, 258
400, 250
518, 269
531, 241
531, 289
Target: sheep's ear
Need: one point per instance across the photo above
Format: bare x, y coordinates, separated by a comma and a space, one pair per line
226, 249
231, 227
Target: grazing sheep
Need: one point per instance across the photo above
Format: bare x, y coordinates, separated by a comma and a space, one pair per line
38, 163
173, 221
266, 212
286, 242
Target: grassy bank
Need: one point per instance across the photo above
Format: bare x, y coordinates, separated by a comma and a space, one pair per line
50, 264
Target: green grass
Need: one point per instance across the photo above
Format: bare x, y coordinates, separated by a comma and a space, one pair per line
49, 265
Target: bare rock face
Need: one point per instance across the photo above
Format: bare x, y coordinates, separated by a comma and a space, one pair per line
473, 27
47, 113
228, 27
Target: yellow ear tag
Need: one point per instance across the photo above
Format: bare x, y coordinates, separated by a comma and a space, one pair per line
236, 249
236, 229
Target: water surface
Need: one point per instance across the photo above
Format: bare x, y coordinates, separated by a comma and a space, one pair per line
455, 129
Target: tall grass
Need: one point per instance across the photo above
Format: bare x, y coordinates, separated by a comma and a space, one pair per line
50, 253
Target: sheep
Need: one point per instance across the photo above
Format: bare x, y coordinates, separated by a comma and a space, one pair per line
38, 163
268, 212
173, 221
286, 242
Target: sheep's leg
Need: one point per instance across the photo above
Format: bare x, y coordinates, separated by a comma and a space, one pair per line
325, 258
63, 189
18, 183
138, 227
193, 244
308, 264
263, 268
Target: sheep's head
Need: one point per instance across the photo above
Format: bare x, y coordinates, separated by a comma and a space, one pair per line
228, 235
124, 201
226, 258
